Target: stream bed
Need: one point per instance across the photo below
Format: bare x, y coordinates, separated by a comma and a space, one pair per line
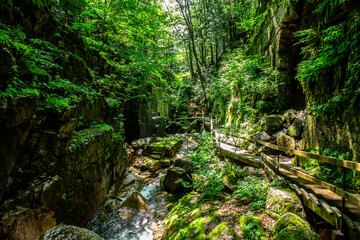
113, 222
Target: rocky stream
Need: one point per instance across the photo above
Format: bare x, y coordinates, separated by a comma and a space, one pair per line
138, 210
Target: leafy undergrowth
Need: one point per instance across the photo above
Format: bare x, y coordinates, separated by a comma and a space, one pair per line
194, 217
227, 201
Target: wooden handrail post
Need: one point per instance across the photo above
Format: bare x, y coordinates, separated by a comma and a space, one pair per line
342, 223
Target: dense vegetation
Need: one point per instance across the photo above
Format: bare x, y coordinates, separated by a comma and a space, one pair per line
79, 78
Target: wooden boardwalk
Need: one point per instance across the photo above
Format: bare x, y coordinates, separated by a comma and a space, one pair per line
341, 213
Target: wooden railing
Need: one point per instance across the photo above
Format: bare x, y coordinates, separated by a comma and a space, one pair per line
341, 191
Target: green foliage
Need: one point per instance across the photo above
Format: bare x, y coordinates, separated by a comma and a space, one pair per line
251, 86
208, 178
86, 136
326, 55
327, 8
334, 48
250, 225
252, 190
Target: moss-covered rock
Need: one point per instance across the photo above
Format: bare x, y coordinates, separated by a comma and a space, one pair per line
190, 219
174, 178
295, 128
290, 226
272, 123
280, 202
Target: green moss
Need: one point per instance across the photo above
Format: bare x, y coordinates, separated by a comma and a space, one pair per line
88, 135
290, 226
189, 219
218, 230
167, 143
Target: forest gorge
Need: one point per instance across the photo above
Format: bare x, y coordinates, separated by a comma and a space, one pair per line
106, 108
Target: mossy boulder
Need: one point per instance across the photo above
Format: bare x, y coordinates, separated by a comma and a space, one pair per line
295, 128
166, 146
70, 232
221, 231
290, 226
279, 202
272, 123
174, 178
194, 218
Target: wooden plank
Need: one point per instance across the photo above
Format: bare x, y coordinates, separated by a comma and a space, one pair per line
337, 211
349, 196
326, 206
334, 161
305, 193
314, 199
297, 189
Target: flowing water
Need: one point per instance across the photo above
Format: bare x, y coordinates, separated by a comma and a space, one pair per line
112, 222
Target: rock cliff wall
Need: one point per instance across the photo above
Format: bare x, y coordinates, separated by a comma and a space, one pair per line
317, 69
61, 137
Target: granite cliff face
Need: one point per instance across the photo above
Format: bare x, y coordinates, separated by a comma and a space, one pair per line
59, 156
332, 119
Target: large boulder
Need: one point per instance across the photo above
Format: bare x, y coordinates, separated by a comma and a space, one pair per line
295, 128
25, 223
272, 123
49, 193
280, 202
286, 141
136, 201
61, 232
174, 178
290, 226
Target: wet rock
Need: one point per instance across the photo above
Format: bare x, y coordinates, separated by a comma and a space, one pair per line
272, 123
174, 178
25, 223
280, 202
136, 201
290, 226
295, 128
61, 232
286, 141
